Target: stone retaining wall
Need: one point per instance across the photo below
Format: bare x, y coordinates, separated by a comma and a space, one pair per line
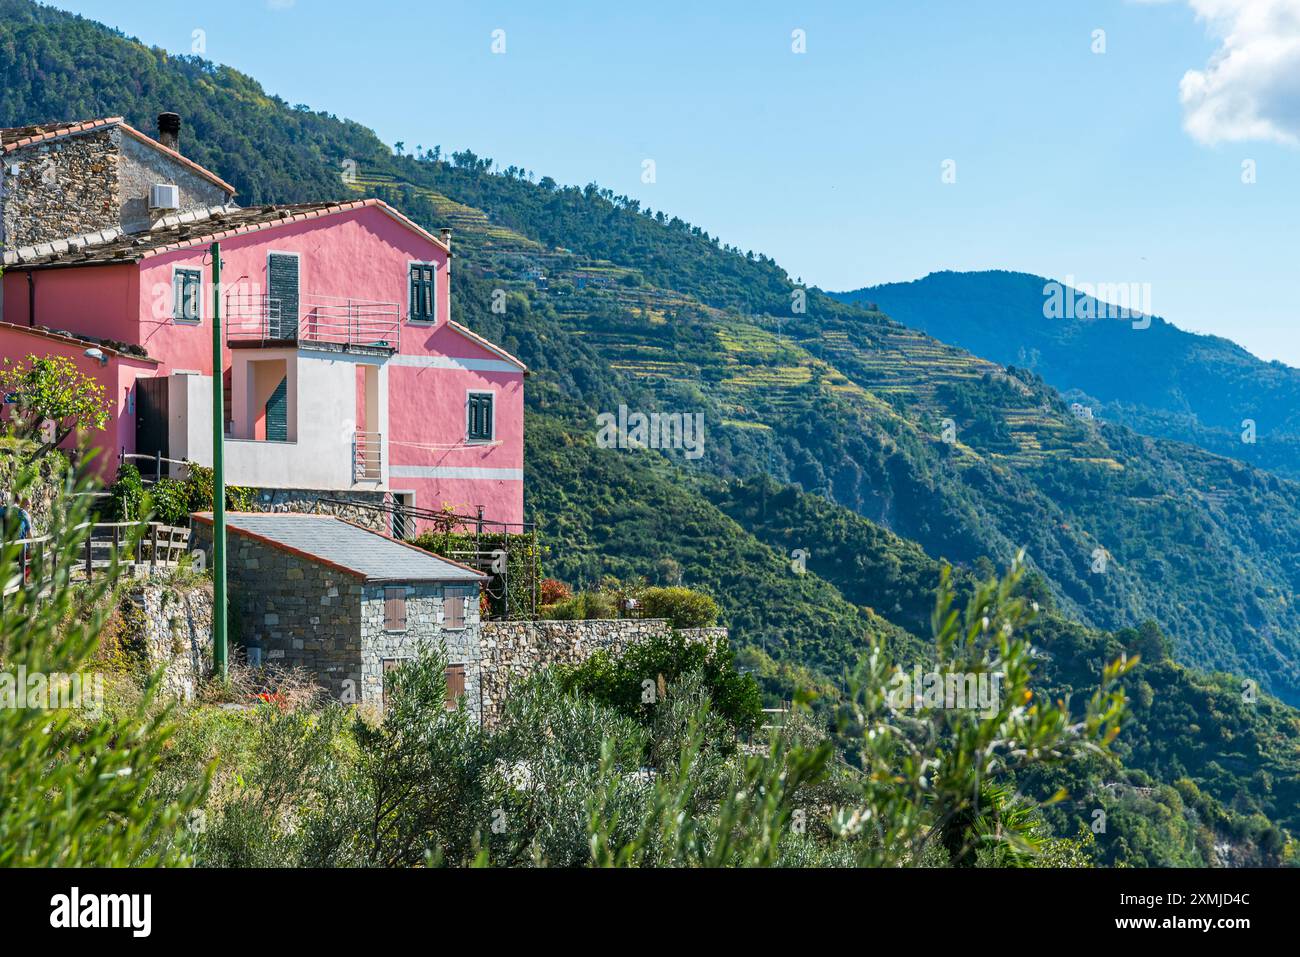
173, 626
303, 501
512, 650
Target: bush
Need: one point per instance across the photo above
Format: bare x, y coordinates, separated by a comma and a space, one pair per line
554, 592
127, 493
619, 681
588, 605
684, 607
171, 501
200, 486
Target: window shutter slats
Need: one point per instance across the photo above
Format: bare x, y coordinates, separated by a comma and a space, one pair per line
480, 416
423, 293
187, 286
455, 685
395, 609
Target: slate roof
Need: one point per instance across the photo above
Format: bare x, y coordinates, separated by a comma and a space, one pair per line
348, 547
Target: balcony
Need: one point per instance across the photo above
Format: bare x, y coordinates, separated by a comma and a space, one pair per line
325, 322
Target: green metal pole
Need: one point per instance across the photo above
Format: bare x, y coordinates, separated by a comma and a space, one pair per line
218, 477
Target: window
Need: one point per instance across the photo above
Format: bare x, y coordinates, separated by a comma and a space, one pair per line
455, 685
454, 605
187, 288
480, 417
395, 609
390, 664
424, 297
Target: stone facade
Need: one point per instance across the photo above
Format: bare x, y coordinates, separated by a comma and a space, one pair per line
425, 626
303, 613
63, 187
304, 501
142, 166
298, 612
174, 629
512, 650
89, 182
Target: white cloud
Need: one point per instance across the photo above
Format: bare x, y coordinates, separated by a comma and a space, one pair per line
1250, 88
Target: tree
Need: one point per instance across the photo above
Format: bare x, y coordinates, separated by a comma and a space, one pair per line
75, 780
52, 390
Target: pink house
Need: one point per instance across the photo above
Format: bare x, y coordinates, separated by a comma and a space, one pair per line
342, 370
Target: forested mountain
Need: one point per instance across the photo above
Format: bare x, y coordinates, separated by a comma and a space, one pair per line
1156, 378
832, 429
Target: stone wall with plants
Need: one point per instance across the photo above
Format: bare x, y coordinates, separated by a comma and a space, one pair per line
346, 505
167, 624
41, 479
512, 650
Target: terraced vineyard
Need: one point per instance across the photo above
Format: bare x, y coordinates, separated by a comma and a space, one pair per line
968, 459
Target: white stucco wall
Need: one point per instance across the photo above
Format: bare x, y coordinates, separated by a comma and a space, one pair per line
322, 411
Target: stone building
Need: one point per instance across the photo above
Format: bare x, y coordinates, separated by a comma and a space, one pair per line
345, 603
72, 184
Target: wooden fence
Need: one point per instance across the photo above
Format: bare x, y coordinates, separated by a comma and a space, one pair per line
158, 546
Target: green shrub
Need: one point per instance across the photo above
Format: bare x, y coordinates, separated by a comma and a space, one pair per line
620, 681
200, 485
76, 781
127, 494
584, 606
171, 501
684, 607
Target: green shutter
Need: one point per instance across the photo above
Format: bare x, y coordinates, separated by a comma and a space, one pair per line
480, 416
186, 289
423, 293
277, 413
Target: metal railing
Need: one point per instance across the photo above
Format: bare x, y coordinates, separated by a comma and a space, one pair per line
367, 456
492, 541
323, 320
156, 460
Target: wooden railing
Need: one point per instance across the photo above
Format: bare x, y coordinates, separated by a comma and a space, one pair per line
158, 546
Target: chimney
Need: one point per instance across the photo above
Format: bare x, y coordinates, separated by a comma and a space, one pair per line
169, 130
446, 237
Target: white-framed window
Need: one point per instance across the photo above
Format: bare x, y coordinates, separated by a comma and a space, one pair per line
480, 416
187, 294
422, 304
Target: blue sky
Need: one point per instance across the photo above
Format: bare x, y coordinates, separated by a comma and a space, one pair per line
1068, 162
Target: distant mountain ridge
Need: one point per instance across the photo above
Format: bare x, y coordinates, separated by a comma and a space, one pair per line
843, 406
1159, 380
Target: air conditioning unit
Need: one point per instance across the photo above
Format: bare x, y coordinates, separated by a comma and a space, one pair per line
162, 196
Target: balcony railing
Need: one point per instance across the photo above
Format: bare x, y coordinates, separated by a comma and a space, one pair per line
367, 456
320, 320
